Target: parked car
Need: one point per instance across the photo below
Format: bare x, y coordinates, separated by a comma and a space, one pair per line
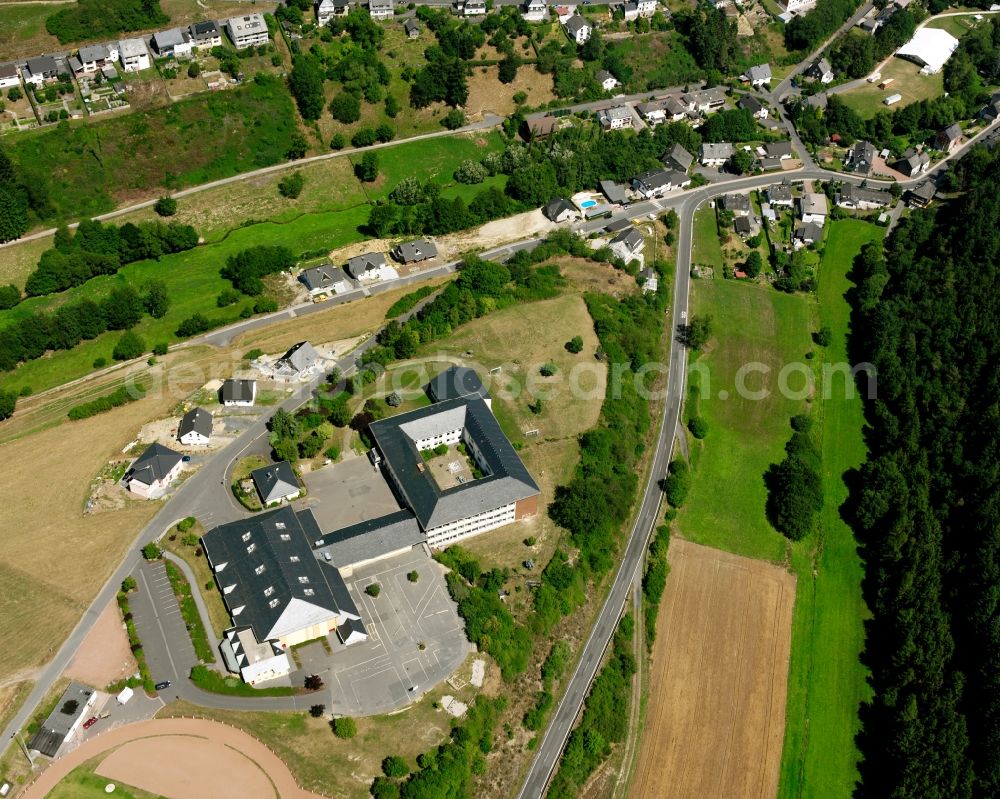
160, 686
90, 722
186, 458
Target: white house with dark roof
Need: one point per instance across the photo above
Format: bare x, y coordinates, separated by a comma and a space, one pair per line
759, 75
560, 209
40, 70
861, 158
607, 81
653, 183
750, 103
65, 720
678, 158
328, 9
276, 483
628, 244
93, 57
821, 70
249, 30
578, 29
474, 8
411, 28
301, 361
863, 199
913, 163
152, 472
813, 208
619, 116
369, 266
238, 393
325, 279
9, 76
534, 10
381, 9
195, 428
715, 154
782, 150
173, 42
948, 139
780, 194
649, 280
205, 34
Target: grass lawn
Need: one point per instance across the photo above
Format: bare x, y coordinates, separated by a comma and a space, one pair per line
907, 81
706, 248
826, 679
956, 26
753, 324
22, 30
217, 613
83, 783
189, 610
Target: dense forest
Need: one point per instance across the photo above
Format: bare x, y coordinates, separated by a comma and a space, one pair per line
90, 19
925, 504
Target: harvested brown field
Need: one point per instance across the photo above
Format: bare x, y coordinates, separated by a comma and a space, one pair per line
488, 95
104, 656
719, 672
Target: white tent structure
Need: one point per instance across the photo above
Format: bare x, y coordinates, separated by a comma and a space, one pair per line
930, 48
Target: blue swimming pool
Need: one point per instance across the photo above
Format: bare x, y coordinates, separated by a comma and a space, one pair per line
588, 203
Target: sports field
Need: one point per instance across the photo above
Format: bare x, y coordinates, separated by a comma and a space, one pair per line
718, 677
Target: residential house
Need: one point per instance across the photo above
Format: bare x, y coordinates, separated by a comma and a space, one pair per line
247, 31
737, 204
205, 34
654, 183
821, 70
677, 158
806, 234
759, 75
768, 164
134, 55
173, 42
863, 199
560, 210
93, 57
813, 208
798, 6
922, 195
411, 28
299, 362
474, 8
238, 393
40, 70
781, 150
666, 108
991, 111
753, 105
328, 9
273, 584
620, 116
151, 473
325, 279
542, 127
705, 101
67, 717
9, 76
743, 225
607, 81
534, 10
381, 9
578, 29
649, 280
276, 483
631, 10
913, 163
715, 154
679, 180
780, 194
628, 244
614, 192
195, 428
367, 266
948, 139
860, 159
411, 252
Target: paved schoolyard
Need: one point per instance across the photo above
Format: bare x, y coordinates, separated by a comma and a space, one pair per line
346, 493
377, 675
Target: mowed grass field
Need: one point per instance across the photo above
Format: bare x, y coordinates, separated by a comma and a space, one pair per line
867, 100
83, 783
705, 249
827, 679
725, 508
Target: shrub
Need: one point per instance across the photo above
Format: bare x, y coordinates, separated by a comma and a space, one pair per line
413, 576
698, 427
227, 297
193, 325
100, 362
338, 142
470, 172
252, 355
152, 551
823, 337
346, 107
129, 346
367, 169
373, 589
548, 369
317, 710
344, 727
194, 69
677, 482
575, 345
186, 523
129, 584
165, 206
454, 119
290, 186
161, 348
394, 766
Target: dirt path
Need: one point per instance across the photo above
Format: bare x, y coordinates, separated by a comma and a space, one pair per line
716, 715
152, 750
104, 656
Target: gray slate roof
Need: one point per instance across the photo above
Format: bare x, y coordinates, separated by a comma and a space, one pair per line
714, 150
778, 149
94, 52
575, 24
345, 630
154, 464
280, 541
274, 481
631, 238
369, 261
456, 382
168, 39
418, 250
861, 157
42, 65
204, 31
736, 202
553, 208
371, 539
779, 192
679, 158
759, 72
809, 232
411, 26
505, 480
53, 731
602, 75
323, 277
237, 390
197, 420
653, 179
614, 192
853, 193
300, 357
750, 103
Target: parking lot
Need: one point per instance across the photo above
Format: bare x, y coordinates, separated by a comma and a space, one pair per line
390, 669
346, 493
